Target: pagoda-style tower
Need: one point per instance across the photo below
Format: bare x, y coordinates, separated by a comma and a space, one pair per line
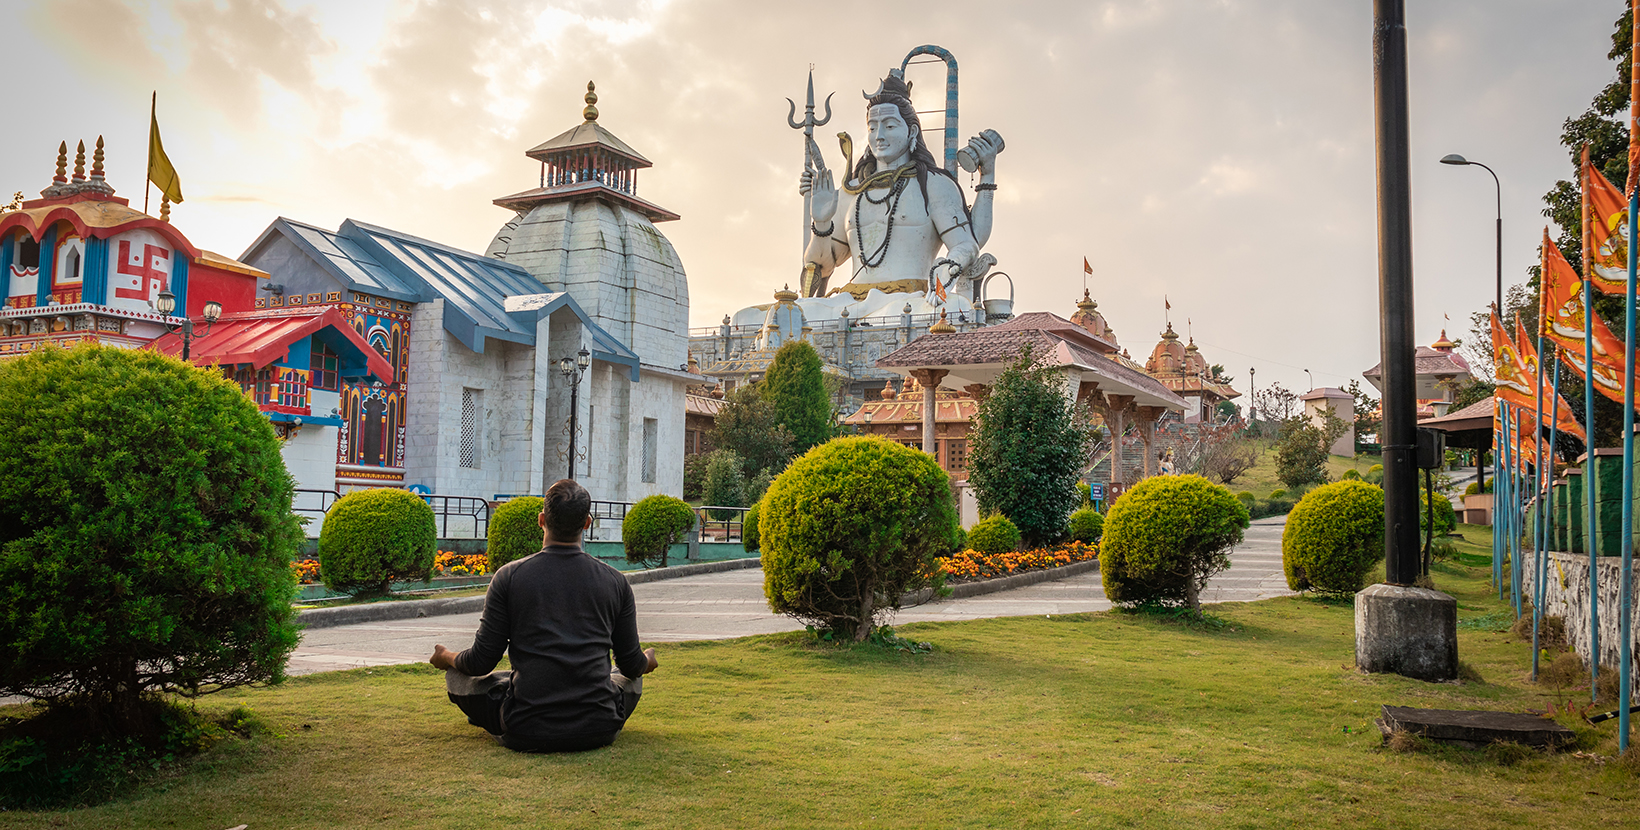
584, 231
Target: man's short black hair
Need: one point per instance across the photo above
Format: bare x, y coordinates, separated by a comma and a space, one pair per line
567, 505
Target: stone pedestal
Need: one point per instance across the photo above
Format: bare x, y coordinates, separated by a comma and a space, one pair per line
1412, 632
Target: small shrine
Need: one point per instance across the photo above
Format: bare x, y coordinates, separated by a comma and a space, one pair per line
1439, 371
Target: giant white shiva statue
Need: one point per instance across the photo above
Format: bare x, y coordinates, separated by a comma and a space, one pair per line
900, 220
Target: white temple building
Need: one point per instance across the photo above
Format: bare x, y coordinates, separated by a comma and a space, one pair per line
480, 405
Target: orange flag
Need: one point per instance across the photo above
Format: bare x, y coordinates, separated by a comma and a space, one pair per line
1529, 360
1563, 312
1608, 230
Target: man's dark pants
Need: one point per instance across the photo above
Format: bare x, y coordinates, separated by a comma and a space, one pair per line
481, 699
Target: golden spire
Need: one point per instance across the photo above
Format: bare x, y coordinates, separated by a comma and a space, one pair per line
79, 163
62, 164
591, 112
943, 326
165, 209
97, 160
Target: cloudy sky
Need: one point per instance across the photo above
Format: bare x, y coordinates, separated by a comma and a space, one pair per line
1215, 152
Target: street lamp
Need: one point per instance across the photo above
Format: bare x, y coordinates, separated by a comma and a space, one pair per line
1454, 158
868, 421
166, 303
1310, 378
573, 368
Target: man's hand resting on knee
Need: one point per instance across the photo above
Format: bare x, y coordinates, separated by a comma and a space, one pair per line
444, 659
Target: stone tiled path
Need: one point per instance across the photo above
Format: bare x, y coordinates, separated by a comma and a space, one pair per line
730, 604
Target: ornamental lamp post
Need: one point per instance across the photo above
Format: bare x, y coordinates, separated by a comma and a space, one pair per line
868, 421
573, 368
166, 303
1454, 158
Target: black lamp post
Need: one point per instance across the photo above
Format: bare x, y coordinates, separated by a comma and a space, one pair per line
167, 303
1454, 158
573, 368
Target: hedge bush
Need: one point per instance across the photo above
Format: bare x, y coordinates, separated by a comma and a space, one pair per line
1446, 518
1165, 537
1333, 538
653, 526
994, 535
1086, 526
374, 538
959, 540
1475, 487
515, 531
749, 538
144, 521
1350, 475
849, 528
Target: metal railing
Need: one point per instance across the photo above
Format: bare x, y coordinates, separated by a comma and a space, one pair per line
463, 509
313, 503
727, 529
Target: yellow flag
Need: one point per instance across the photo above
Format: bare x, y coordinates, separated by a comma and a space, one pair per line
160, 171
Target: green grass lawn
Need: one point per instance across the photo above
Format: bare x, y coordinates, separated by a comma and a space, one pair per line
1088, 720
1261, 481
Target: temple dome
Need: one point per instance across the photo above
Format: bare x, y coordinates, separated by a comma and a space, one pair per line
1088, 317
1169, 355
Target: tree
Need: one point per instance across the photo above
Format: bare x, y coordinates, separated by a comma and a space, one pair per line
749, 426
1472, 393
1303, 447
1227, 455
653, 526
145, 534
1274, 402
725, 484
1367, 415
850, 528
796, 385
1028, 450
1216, 374
1604, 129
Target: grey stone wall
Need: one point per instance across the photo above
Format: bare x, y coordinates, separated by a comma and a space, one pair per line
1567, 597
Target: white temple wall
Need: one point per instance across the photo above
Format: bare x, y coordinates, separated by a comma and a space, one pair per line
310, 456
424, 394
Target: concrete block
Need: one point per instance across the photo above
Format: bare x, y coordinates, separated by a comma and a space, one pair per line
1408, 631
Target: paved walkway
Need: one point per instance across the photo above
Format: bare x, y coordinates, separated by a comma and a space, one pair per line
731, 604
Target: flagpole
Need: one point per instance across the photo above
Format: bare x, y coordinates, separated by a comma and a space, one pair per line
1498, 491
147, 175
1542, 574
1538, 491
1589, 540
1625, 602
1506, 487
1517, 506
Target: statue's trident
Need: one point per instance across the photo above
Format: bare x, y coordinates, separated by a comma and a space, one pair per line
812, 160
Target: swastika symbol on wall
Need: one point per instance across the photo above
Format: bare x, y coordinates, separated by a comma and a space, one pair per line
145, 271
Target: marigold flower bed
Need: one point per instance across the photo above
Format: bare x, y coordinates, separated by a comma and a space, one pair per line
971, 565
446, 563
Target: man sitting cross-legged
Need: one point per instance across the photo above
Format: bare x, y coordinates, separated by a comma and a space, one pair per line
559, 613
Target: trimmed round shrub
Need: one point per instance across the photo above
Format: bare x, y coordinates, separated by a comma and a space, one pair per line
748, 529
1446, 519
1167, 536
994, 535
1247, 499
849, 528
1475, 487
1333, 538
653, 526
515, 531
1350, 475
1278, 494
146, 535
1376, 468
374, 538
1086, 526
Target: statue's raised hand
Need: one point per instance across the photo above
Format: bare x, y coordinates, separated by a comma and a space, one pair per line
820, 185
985, 147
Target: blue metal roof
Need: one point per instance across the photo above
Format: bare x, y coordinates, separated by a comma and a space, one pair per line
350, 264
475, 289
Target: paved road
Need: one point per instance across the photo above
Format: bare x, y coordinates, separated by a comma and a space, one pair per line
730, 604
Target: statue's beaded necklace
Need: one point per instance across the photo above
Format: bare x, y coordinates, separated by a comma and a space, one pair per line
892, 198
